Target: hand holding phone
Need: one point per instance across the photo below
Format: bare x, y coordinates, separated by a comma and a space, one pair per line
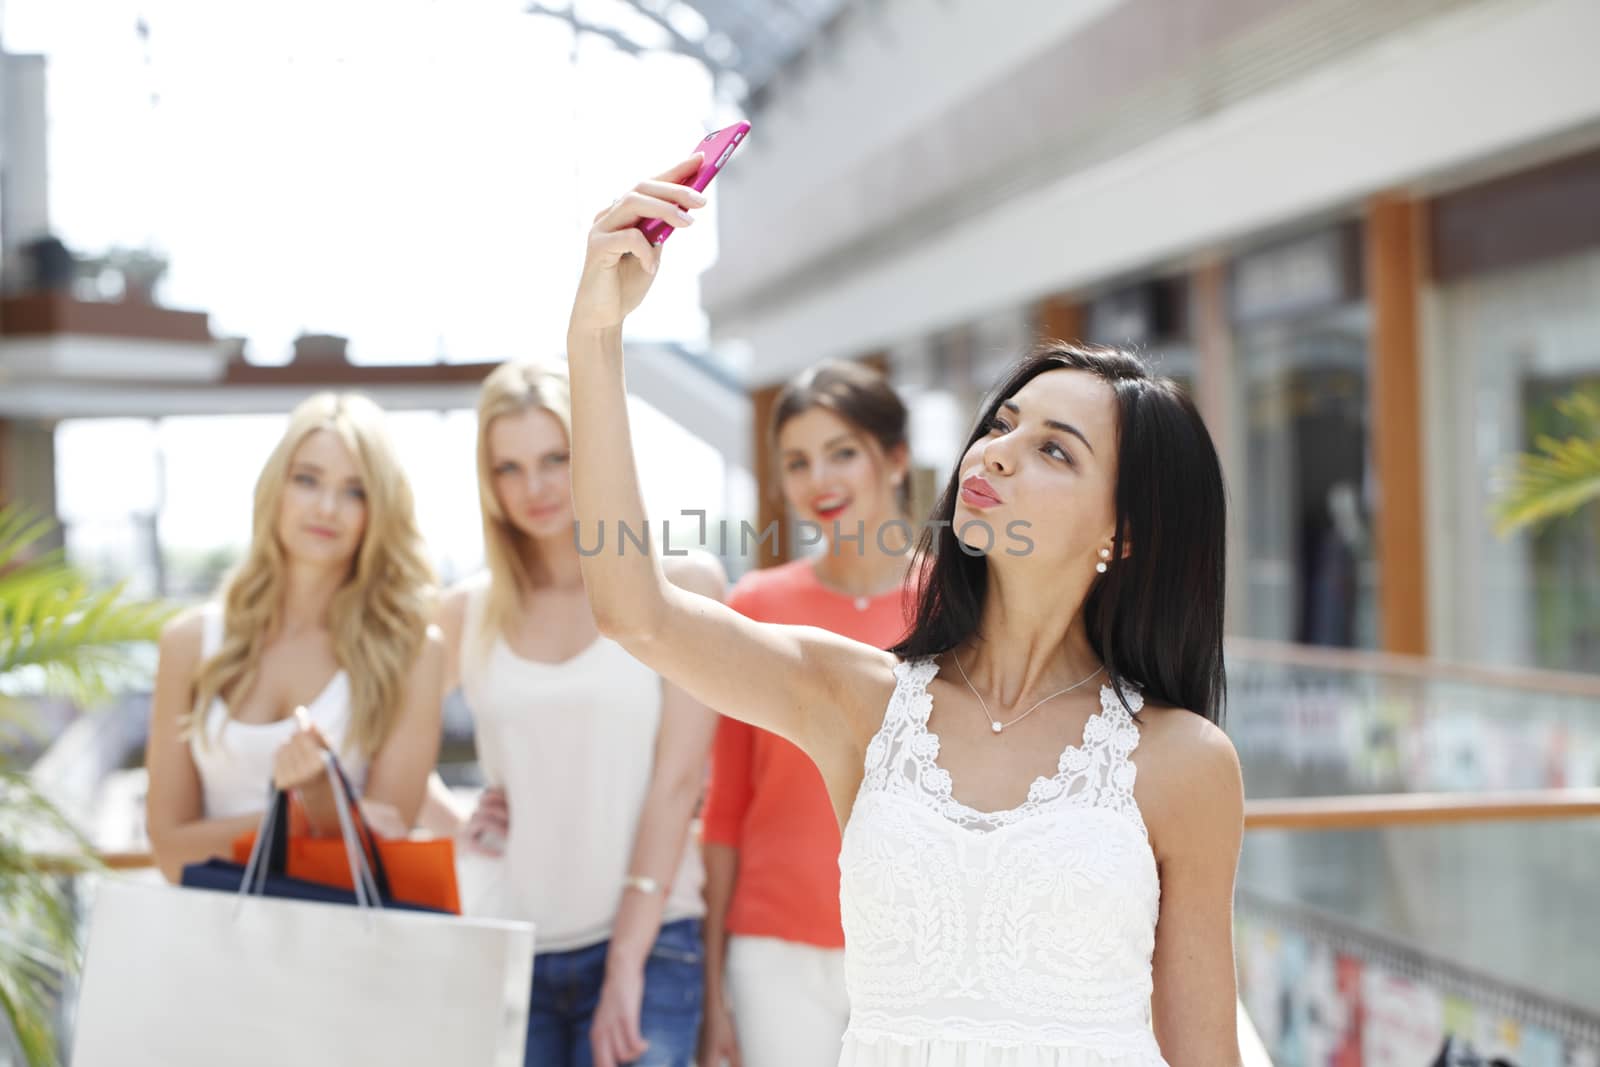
624, 243
715, 149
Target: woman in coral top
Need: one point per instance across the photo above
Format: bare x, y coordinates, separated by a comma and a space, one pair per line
775, 990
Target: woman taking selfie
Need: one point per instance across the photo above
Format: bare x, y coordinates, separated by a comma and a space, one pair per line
1041, 817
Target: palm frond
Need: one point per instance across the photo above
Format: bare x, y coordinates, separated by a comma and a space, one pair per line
58, 636
21, 528
39, 934
1561, 475
26, 1003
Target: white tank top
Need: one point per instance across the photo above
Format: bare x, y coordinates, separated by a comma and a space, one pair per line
573, 746
1017, 938
235, 758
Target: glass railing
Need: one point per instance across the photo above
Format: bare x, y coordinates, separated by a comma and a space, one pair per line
1459, 905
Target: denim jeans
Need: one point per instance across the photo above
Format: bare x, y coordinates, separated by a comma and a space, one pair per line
566, 991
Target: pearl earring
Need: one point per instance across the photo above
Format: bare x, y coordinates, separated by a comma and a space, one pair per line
1103, 566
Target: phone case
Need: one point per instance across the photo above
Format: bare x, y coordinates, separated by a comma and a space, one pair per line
717, 147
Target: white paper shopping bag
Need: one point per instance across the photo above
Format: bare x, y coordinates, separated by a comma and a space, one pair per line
185, 977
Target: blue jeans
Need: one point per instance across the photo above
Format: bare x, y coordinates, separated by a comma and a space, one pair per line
566, 991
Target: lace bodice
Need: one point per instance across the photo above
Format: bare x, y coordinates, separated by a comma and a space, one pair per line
1028, 927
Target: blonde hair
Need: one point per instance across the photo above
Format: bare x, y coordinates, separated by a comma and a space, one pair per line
379, 617
511, 389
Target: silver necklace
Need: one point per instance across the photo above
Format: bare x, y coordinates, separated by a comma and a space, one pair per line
995, 724
861, 601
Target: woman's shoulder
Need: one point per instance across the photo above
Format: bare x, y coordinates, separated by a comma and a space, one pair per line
431, 657
1184, 738
454, 600
184, 634
1189, 773
451, 617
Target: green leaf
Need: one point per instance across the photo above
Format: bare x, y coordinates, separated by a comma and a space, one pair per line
38, 934
58, 636
1561, 475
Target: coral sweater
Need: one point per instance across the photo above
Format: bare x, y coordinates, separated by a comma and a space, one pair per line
767, 798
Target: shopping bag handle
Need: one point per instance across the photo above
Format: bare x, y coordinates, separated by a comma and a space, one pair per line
273, 823
270, 853
354, 844
354, 824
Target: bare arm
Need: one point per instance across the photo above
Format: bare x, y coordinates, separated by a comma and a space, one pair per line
676, 784
441, 813
452, 627
722, 873
1195, 998
180, 834
792, 680
727, 803
677, 781
399, 773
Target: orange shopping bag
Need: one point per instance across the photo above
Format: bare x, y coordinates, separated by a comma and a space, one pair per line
419, 872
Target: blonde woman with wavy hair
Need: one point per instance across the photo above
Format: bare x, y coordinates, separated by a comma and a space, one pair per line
595, 764
320, 638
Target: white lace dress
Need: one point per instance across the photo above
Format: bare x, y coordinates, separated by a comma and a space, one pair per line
998, 939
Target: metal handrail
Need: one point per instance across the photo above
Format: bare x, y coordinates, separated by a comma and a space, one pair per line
1380, 810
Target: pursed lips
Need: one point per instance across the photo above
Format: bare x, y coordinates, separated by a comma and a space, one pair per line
979, 491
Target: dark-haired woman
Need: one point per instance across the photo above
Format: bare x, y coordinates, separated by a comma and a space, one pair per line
1041, 817
775, 991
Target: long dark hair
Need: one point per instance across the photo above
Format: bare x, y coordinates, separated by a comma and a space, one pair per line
1155, 618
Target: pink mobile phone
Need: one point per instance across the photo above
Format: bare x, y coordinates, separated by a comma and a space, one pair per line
717, 147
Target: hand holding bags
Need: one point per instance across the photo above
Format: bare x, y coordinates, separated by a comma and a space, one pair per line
409, 873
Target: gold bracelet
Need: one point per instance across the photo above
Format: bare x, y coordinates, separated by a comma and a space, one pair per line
642, 882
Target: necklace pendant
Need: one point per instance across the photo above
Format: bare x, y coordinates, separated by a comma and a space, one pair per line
997, 727
862, 603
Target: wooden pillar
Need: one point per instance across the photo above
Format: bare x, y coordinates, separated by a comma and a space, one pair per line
28, 470
1213, 341
1058, 318
770, 510
1395, 263
1215, 394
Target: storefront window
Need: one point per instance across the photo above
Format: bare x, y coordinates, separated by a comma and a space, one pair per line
1150, 317
1302, 338
1512, 343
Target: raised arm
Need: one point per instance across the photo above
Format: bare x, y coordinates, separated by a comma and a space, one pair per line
801, 682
